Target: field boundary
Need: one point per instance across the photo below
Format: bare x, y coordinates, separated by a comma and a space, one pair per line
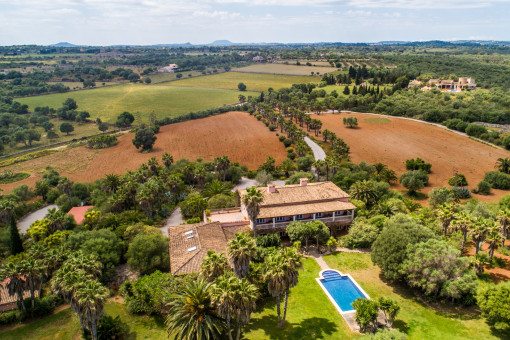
278, 74
429, 123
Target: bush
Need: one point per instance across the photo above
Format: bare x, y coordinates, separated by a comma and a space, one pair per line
442, 195
414, 180
221, 201
497, 180
110, 328
291, 155
305, 163
10, 316
193, 220
418, 164
290, 149
281, 138
269, 240
287, 142
361, 235
102, 142
459, 180
272, 127
494, 301
456, 124
475, 130
483, 188
462, 192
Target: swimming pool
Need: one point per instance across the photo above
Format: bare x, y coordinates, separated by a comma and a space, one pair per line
341, 289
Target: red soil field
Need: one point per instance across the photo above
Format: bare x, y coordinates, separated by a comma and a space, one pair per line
400, 139
235, 134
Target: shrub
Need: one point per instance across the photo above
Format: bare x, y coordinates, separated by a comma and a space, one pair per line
458, 180
418, 164
494, 301
193, 220
290, 149
148, 253
102, 142
272, 127
414, 180
361, 235
462, 192
221, 201
442, 195
281, 138
456, 124
110, 328
497, 180
269, 240
287, 142
305, 163
10, 316
291, 155
483, 188
475, 130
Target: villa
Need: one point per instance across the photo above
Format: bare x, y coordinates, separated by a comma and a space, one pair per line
169, 68
281, 205
464, 83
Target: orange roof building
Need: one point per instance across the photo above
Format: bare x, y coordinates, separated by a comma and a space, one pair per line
79, 213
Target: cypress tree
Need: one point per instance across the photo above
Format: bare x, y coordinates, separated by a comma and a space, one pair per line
346, 90
16, 243
354, 90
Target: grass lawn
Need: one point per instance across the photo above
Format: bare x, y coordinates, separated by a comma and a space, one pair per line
301, 70
65, 325
253, 81
166, 76
165, 101
377, 120
415, 318
310, 314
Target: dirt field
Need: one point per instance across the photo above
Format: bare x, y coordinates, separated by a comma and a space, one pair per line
236, 134
392, 142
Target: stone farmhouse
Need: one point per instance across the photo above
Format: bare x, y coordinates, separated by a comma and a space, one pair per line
464, 83
169, 68
281, 205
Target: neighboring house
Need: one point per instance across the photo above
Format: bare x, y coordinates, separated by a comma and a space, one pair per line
8, 302
281, 205
258, 59
464, 83
169, 68
190, 243
79, 213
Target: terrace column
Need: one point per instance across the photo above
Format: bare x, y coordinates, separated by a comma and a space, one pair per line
314, 216
294, 217
334, 213
274, 222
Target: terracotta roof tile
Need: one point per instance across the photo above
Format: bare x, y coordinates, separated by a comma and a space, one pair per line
79, 213
301, 209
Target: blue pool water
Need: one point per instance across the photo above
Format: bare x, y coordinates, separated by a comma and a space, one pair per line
341, 289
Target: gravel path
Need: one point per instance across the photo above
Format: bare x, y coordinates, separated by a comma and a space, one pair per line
39, 214
318, 152
173, 220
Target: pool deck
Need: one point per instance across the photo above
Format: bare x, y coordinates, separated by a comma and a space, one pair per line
348, 316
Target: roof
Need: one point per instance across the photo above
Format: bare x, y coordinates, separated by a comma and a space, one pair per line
305, 208
79, 213
190, 243
292, 194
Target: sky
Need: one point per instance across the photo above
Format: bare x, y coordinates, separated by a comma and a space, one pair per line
146, 22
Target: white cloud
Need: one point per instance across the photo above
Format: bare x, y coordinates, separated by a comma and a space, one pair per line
424, 4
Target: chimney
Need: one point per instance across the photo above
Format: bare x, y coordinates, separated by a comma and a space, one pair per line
303, 182
271, 188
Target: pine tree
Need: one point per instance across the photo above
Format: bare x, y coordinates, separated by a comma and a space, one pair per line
346, 90
16, 243
354, 90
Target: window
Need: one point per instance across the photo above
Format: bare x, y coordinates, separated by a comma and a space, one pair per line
280, 219
260, 220
339, 213
190, 236
188, 232
318, 215
192, 248
299, 217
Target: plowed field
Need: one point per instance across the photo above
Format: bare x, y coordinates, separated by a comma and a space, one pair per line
235, 134
392, 142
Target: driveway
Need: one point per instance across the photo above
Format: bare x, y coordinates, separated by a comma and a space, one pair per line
174, 219
39, 214
318, 152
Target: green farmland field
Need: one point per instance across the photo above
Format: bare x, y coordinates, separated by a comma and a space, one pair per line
301, 70
165, 101
253, 81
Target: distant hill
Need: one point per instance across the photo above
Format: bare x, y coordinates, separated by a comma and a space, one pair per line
63, 44
221, 43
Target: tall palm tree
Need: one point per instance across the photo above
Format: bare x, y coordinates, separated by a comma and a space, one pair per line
364, 191
504, 221
478, 232
56, 218
246, 303
214, 265
252, 200
12, 273
192, 314
446, 214
241, 249
293, 259
503, 165
112, 182
226, 295
318, 165
215, 187
493, 238
65, 185
463, 221
276, 277
32, 269
91, 297
168, 160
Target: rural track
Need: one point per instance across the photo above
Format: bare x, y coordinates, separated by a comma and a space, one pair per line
38, 214
318, 152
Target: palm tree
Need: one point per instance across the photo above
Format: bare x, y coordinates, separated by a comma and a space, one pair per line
446, 214
504, 221
318, 164
167, 160
364, 191
214, 264
91, 297
56, 218
463, 221
112, 182
215, 188
65, 185
192, 314
7, 207
493, 238
153, 165
252, 200
293, 260
246, 303
241, 249
32, 269
503, 165
15, 283
276, 277
226, 295
478, 232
